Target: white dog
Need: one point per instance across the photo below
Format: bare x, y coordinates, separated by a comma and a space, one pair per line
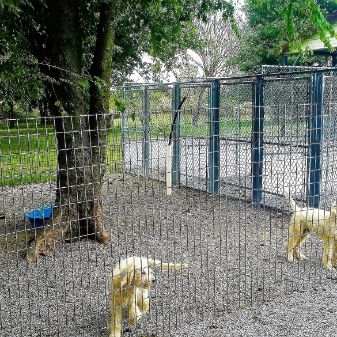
307, 220
129, 289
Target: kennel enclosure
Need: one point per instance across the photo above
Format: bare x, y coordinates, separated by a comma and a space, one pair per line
238, 144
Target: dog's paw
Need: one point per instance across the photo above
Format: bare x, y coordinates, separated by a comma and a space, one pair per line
328, 267
302, 257
125, 330
290, 257
133, 321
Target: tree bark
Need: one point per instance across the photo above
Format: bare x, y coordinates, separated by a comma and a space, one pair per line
11, 114
43, 108
80, 127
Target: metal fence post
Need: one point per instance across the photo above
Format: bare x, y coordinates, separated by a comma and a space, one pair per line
214, 140
257, 138
123, 127
315, 136
146, 131
176, 136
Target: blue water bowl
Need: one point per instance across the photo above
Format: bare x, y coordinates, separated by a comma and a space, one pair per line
38, 216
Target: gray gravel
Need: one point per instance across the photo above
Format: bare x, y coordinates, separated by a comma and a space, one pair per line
307, 313
238, 283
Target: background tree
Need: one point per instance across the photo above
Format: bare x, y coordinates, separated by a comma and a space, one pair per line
20, 80
217, 44
272, 25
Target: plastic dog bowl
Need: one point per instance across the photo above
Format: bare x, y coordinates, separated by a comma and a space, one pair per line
38, 216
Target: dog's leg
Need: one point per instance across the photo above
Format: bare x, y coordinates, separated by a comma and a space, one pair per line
302, 239
328, 250
143, 305
139, 307
293, 240
135, 314
116, 322
334, 256
132, 313
297, 235
146, 306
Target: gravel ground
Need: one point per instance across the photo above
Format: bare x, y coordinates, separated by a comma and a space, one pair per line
238, 283
306, 313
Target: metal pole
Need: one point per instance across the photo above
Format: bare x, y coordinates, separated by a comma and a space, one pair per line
146, 131
123, 126
334, 59
284, 59
214, 139
176, 136
257, 138
315, 136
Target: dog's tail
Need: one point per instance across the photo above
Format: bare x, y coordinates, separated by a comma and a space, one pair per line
166, 266
291, 202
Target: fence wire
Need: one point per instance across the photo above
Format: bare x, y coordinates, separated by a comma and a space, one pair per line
240, 144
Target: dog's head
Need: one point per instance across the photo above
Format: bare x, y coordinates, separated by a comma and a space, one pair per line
144, 277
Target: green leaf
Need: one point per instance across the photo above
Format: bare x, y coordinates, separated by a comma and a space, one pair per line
85, 84
120, 105
132, 116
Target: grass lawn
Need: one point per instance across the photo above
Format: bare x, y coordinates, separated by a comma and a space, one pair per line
28, 150
28, 153
161, 126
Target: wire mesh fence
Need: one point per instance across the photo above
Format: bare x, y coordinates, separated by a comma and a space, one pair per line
265, 134
238, 145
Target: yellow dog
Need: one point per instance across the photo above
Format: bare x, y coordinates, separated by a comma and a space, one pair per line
129, 289
307, 220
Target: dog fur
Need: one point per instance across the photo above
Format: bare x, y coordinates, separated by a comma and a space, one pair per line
304, 221
129, 289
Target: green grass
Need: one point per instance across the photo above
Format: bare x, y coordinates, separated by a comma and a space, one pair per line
161, 126
28, 153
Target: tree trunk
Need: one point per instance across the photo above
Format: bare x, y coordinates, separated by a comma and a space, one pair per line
11, 114
196, 113
81, 129
43, 108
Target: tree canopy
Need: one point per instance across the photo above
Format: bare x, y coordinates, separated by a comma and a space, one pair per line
160, 28
272, 25
20, 79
